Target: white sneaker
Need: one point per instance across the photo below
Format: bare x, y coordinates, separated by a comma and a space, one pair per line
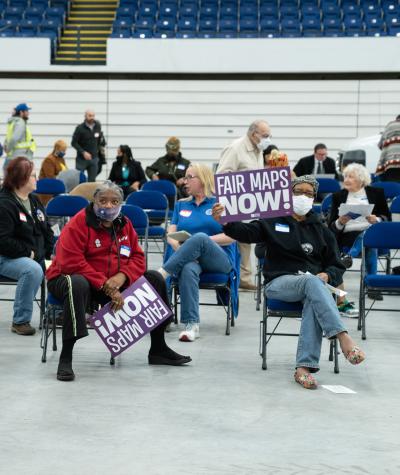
190, 333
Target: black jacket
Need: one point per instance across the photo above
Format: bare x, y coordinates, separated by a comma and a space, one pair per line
305, 166
87, 140
136, 172
167, 169
376, 196
21, 233
307, 246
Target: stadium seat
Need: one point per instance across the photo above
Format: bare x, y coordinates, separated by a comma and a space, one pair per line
28, 27
121, 33
228, 25
208, 24
147, 11
167, 11
331, 10
143, 34
49, 26
289, 12
9, 32
144, 24
227, 34
165, 25
125, 13
32, 13
206, 34
164, 34
18, 3
228, 11
56, 14
39, 4
394, 30
187, 25
186, 34
188, 11
269, 11
210, 11
248, 26
352, 9
13, 13
122, 25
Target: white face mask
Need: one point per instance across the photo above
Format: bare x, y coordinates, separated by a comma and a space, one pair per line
264, 143
302, 204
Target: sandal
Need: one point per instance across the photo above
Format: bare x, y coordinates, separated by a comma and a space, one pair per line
355, 355
306, 380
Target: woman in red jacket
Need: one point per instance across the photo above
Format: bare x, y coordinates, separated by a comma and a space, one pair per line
97, 256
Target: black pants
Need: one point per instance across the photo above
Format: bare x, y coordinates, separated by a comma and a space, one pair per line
78, 297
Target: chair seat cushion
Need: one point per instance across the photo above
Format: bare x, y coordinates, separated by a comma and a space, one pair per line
213, 278
387, 281
280, 305
156, 231
53, 301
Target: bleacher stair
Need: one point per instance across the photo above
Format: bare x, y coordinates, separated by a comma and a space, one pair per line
84, 40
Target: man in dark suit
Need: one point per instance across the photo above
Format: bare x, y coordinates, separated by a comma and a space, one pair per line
317, 164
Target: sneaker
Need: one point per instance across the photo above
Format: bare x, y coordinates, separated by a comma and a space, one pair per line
375, 296
347, 309
23, 329
190, 333
347, 260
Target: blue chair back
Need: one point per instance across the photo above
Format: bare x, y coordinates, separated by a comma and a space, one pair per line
50, 186
82, 178
326, 204
395, 205
137, 217
164, 186
390, 188
148, 200
66, 205
383, 235
328, 185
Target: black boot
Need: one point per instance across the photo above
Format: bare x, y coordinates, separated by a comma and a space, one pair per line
65, 371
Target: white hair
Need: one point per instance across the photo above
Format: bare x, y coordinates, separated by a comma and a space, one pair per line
359, 171
109, 186
254, 126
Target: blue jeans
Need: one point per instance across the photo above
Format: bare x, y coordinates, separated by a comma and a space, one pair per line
320, 313
371, 255
196, 255
29, 275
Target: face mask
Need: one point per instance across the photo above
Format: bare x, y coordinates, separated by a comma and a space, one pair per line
107, 214
302, 204
264, 143
61, 154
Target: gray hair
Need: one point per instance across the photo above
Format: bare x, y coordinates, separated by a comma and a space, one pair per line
359, 171
254, 126
310, 179
109, 186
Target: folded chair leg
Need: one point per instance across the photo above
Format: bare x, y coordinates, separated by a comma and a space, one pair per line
264, 340
45, 334
112, 360
54, 331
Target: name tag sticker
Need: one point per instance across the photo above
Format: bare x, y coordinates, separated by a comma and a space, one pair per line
97, 135
282, 228
185, 213
22, 217
180, 166
125, 251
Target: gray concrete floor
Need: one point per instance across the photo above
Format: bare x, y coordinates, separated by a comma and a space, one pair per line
219, 415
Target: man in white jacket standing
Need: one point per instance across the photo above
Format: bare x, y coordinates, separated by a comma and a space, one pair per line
246, 153
19, 141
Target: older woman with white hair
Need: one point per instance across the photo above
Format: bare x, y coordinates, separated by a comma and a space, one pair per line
349, 230
97, 257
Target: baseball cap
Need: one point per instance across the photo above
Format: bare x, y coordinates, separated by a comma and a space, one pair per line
22, 107
173, 144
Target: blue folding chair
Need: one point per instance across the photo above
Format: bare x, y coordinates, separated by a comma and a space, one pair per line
390, 188
34, 13
140, 223
63, 207
273, 308
381, 235
225, 285
328, 185
50, 186
167, 188
155, 204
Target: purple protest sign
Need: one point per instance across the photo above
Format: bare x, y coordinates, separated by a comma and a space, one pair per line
254, 194
143, 311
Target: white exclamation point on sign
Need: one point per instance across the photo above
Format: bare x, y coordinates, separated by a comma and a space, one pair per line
286, 198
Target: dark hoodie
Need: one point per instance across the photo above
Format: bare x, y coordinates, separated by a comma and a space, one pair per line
292, 246
21, 232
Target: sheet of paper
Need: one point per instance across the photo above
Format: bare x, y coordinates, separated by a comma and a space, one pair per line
338, 389
356, 209
334, 290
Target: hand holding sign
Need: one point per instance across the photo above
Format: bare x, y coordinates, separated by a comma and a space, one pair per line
252, 194
217, 211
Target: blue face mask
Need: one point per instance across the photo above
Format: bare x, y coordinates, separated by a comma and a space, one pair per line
107, 214
61, 154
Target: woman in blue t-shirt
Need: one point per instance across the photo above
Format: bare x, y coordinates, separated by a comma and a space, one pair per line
207, 250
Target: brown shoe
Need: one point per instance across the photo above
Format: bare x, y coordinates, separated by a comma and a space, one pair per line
23, 329
247, 286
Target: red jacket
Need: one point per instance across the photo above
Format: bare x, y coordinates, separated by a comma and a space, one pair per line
85, 248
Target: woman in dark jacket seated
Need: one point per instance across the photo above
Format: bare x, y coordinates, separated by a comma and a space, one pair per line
26, 239
97, 257
126, 172
349, 229
301, 243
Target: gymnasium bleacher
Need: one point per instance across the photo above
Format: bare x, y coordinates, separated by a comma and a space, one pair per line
256, 18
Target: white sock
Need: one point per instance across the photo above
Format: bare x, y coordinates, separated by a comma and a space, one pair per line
163, 272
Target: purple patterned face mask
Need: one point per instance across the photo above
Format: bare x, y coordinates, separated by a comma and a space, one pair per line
107, 214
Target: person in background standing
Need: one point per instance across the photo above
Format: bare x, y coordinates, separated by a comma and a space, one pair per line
126, 172
172, 166
19, 140
388, 168
86, 140
246, 153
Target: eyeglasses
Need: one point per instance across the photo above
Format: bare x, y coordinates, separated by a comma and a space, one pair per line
309, 194
189, 177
